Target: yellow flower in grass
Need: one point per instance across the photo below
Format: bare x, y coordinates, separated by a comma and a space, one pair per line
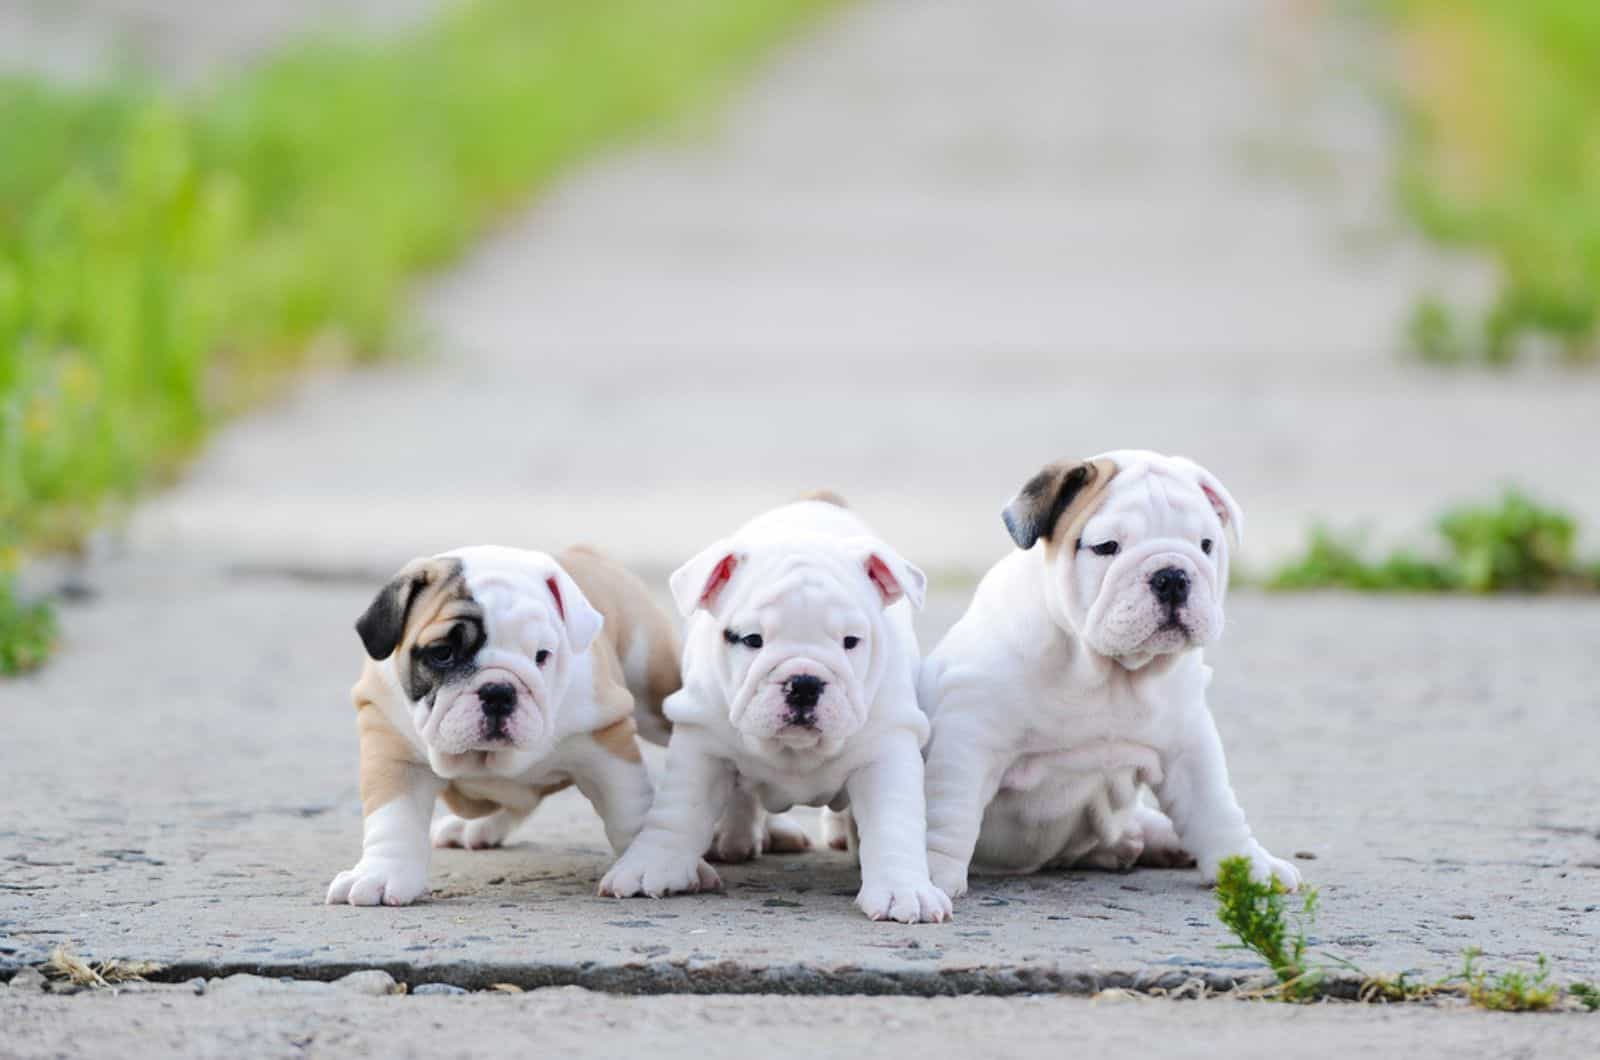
38, 417
79, 380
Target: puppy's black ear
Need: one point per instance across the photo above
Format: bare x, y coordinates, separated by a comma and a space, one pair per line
383, 623
1058, 490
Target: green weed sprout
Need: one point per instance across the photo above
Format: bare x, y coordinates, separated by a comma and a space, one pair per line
1257, 914
1515, 990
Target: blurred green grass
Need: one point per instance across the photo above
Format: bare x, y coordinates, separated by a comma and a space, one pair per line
165, 258
1515, 545
1502, 104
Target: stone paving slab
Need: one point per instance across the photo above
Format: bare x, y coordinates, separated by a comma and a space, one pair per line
295, 1023
182, 786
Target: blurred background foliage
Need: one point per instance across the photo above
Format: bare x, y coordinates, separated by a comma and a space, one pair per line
1501, 100
166, 256
163, 257
1516, 545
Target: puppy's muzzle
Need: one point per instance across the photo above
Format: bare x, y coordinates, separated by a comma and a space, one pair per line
1171, 587
800, 695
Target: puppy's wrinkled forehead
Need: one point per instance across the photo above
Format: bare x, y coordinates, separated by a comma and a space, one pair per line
797, 597
1151, 502
796, 583
518, 612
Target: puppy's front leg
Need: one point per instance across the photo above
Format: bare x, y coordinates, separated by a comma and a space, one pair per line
668, 856
397, 796
1196, 794
963, 777
887, 802
618, 787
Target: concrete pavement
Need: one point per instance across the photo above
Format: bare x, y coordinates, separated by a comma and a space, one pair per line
182, 786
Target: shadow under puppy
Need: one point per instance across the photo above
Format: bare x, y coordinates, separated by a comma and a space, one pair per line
799, 688
1074, 687
495, 677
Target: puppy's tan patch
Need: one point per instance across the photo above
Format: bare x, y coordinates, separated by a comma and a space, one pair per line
639, 647
1077, 512
1056, 502
463, 805
826, 496
618, 738
470, 806
389, 764
413, 595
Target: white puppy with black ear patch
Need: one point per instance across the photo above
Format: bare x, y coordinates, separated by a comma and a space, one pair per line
494, 677
1075, 683
800, 668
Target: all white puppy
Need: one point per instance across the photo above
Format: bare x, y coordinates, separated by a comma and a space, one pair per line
1075, 683
494, 677
800, 668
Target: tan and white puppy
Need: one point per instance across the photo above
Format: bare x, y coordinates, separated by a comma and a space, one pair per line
1075, 684
800, 670
495, 677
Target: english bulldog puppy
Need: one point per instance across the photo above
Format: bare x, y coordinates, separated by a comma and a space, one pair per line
495, 677
799, 669
1074, 687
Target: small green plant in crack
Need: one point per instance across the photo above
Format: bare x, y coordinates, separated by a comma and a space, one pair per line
1266, 924
1256, 912
1515, 990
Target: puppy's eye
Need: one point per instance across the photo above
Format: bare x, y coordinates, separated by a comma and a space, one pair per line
752, 640
541, 657
1105, 548
439, 655
1205, 546
851, 642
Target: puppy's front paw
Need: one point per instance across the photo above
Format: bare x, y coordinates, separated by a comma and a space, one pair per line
948, 874
908, 901
479, 833
1263, 867
379, 882
655, 872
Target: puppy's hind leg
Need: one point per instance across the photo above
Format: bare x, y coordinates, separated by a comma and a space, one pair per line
476, 833
785, 835
1162, 848
742, 832
839, 830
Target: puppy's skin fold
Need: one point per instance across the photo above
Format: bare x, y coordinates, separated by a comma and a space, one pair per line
799, 688
1073, 690
496, 677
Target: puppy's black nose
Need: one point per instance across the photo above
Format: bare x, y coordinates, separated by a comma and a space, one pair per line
802, 692
499, 699
1171, 586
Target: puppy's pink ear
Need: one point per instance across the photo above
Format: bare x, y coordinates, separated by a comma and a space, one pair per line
894, 577
582, 621
700, 582
1223, 504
